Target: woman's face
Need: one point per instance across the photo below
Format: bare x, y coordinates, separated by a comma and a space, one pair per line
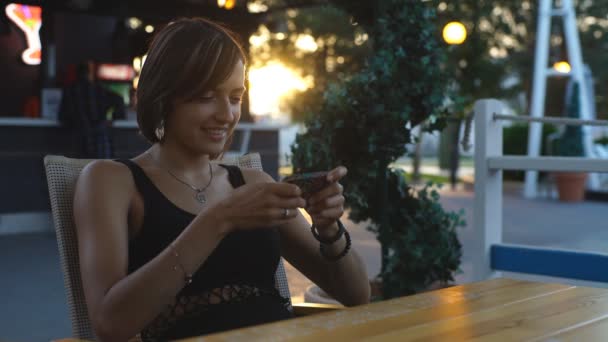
204, 124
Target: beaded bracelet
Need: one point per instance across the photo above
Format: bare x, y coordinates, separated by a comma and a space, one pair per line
339, 256
179, 266
331, 240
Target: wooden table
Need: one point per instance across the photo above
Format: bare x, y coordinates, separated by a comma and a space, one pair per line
492, 310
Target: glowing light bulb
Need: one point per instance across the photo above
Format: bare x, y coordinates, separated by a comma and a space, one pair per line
562, 67
454, 33
230, 4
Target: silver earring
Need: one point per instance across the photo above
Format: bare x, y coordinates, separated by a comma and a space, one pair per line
160, 131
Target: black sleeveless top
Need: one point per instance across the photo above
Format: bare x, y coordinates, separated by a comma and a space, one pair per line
233, 288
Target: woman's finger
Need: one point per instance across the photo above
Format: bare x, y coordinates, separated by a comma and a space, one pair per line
332, 190
284, 213
285, 189
336, 174
291, 203
329, 202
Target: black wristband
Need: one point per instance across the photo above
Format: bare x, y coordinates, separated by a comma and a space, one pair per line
339, 256
331, 240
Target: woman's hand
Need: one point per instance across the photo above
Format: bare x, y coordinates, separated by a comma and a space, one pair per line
260, 204
327, 206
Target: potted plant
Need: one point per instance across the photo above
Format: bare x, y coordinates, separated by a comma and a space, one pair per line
571, 185
365, 124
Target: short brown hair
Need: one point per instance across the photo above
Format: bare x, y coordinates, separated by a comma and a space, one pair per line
186, 58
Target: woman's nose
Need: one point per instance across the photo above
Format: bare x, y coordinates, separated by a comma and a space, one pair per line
224, 111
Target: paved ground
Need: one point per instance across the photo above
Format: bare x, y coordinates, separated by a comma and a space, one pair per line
32, 301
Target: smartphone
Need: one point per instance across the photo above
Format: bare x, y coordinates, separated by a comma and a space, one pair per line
310, 183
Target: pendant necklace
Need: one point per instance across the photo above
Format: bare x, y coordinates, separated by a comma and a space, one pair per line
199, 193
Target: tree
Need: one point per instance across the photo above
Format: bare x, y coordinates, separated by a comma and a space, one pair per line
497, 59
337, 47
365, 123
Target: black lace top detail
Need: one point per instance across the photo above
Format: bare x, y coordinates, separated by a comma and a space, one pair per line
233, 288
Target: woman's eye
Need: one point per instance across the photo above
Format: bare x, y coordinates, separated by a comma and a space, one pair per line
206, 98
236, 99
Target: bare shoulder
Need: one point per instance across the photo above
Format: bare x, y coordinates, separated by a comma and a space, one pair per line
256, 176
105, 180
105, 173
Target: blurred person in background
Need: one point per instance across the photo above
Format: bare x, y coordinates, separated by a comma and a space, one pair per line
88, 108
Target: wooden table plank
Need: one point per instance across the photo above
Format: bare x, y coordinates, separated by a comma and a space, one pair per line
592, 331
487, 301
560, 316
378, 318
517, 320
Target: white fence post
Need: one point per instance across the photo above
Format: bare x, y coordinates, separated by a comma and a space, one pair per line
578, 73
487, 228
539, 90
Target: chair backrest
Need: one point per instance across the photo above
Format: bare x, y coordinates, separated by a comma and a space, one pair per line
62, 173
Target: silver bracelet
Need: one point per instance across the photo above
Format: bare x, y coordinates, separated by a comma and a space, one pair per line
180, 266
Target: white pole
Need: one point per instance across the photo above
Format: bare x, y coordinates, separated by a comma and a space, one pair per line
578, 73
541, 61
488, 188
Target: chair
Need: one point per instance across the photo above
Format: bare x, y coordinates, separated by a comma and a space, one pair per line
62, 174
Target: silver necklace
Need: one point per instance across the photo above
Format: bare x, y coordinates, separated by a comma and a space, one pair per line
199, 192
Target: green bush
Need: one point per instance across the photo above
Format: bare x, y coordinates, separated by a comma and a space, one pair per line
365, 124
570, 143
422, 236
602, 141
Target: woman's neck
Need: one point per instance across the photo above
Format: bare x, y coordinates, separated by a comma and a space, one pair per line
178, 161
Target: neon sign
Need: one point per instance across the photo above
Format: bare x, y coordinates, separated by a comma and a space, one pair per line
28, 19
115, 72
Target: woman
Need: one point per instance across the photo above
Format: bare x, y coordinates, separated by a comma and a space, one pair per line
173, 246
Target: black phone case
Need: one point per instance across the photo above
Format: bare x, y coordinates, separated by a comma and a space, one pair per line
309, 183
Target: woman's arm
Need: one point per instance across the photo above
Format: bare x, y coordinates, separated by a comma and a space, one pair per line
121, 305
346, 279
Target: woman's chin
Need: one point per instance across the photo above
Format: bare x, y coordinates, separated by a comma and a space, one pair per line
207, 145
212, 149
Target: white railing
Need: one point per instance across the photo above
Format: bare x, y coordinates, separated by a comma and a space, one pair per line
489, 164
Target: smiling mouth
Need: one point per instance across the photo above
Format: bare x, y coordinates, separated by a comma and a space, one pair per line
216, 132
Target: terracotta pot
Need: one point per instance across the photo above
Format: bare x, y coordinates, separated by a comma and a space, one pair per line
571, 186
